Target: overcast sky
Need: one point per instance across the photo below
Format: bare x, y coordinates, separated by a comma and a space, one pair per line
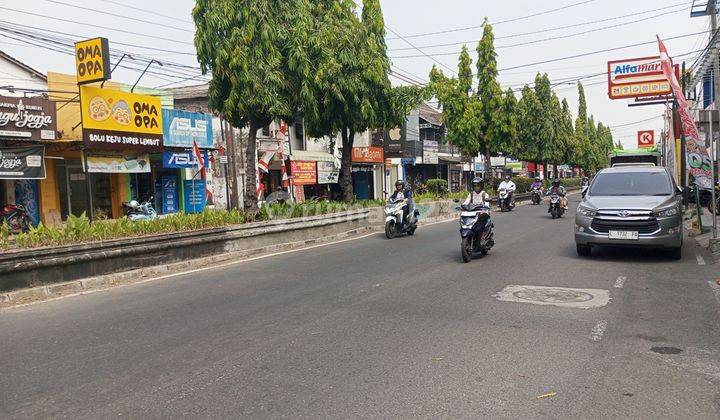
458, 20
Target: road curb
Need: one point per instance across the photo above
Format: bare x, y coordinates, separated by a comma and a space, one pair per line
104, 282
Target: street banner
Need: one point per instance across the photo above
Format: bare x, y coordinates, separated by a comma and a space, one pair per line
119, 164
22, 162
116, 120
669, 148
327, 173
195, 195
27, 118
181, 128
183, 159
304, 172
646, 138
170, 194
696, 155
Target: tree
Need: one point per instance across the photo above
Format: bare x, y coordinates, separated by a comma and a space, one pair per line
582, 138
548, 148
619, 145
255, 65
350, 82
529, 125
572, 148
493, 126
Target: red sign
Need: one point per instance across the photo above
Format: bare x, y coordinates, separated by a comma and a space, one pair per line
637, 77
368, 155
304, 172
646, 138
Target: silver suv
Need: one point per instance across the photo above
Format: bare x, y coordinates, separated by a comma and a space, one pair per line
633, 207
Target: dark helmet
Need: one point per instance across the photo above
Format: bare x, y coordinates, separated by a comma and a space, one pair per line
556, 183
399, 183
478, 181
508, 177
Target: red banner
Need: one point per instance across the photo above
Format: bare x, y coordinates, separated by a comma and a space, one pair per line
368, 155
304, 172
698, 160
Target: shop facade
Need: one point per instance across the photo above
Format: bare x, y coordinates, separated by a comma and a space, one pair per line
368, 172
27, 125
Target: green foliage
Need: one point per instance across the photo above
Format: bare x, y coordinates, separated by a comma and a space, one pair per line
438, 187
4, 235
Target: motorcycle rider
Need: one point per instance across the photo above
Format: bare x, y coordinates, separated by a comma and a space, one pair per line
478, 194
509, 185
536, 184
560, 191
403, 192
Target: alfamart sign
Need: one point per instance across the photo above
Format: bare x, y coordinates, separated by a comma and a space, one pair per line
636, 78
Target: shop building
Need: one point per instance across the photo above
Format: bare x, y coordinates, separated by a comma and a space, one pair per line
28, 125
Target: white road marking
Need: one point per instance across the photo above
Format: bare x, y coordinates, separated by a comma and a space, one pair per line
554, 296
700, 259
620, 282
716, 289
597, 332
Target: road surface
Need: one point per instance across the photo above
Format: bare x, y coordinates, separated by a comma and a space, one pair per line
377, 328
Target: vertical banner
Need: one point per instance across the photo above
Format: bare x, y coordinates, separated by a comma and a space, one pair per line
169, 194
195, 198
696, 155
669, 146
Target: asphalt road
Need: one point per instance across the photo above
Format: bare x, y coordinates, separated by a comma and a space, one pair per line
373, 328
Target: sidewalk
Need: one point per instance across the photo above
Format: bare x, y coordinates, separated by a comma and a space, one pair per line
705, 238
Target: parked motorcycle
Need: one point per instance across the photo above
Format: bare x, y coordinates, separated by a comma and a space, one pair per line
17, 218
135, 211
476, 230
504, 200
556, 209
536, 196
394, 215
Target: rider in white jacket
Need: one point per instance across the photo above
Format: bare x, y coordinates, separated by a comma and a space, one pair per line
509, 185
478, 194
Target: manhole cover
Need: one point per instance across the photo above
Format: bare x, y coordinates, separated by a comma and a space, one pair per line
666, 350
550, 295
555, 296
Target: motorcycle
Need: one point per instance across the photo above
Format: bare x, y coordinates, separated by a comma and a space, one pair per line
556, 210
536, 196
139, 212
476, 230
16, 217
504, 200
394, 223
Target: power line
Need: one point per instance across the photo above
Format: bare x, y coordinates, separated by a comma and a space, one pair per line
449, 44
599, 51
17, 25
635, 122
117, 3
95, 26
177, 28
467, 28
575, 56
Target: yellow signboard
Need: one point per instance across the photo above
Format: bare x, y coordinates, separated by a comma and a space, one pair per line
116, 120
92, 60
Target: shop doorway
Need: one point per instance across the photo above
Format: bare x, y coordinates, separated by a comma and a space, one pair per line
73, 193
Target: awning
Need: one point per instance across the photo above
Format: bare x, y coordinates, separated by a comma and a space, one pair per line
313, 156
450, 159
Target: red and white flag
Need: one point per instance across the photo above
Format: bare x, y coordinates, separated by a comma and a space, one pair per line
198, 156
699, 163
283, 171
264, 161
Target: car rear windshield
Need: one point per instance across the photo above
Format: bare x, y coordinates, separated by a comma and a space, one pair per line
631, 183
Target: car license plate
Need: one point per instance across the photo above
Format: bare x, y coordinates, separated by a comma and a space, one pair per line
623, 235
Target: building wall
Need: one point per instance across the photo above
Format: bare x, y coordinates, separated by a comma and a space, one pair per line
13, 75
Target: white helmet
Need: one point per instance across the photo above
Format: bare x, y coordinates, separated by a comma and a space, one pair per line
134, 204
